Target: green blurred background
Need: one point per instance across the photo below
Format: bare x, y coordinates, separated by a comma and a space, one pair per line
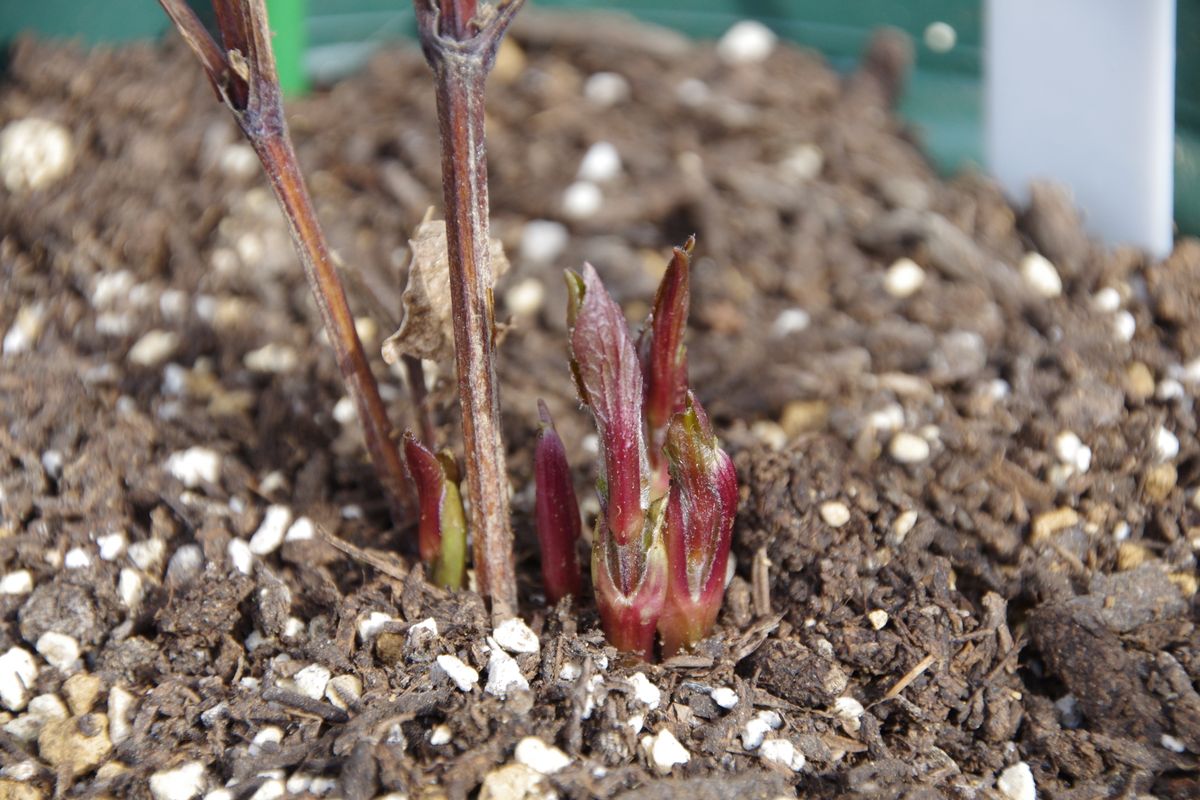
324, 38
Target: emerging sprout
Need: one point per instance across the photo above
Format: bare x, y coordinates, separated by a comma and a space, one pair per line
557, 511
442, 532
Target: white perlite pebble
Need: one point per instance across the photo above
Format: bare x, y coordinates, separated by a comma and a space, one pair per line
1072, 451
725, 697
1107, 300
504, 674
120, 706
34, 153
425, 628
802, 163
52, 463
541, 757
515, 636
154, 348
440, 735
582, 199
526, 298
301, 530
371, 625
464, 677
182, 783
131, 588
789, 321
294, 628
903, 278
835, 513
1169, 389
1124, 326
1040, 275
186, 563
606, 89
1016, 782
850, 712
1069, 714
343, 690
1166, 444
195, 466
111, 546
757, 727
240, 556
665, 750
77, 558
60, 650
147, 555
1172, 743
908, 448
644, 691
747, 42
878, 618
783, 752
271, 531
17, 582
344, 412
272, 358
312, 681
904, 523
18, 670
600, 163
542, 241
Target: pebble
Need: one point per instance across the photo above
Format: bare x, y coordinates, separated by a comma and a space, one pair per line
77, 558
18, 669
1016, 782
542, 241
111, 545
371, 625
789, 321
850, 712
504, 674
25, 330
835, 513
300, 531
52, 463
42, 708
240, 556
344, 412
312, 681
272, 358
1166, 444
343, 691
1107, 300
601, 163
195, 466
903, 278
514, 636
692, 92
1071, 450
464, 677
582, 200
644, 691
904, 523
294, 628
425, 629
515, 782
540, 757
783, 752
878, 618
186, 563
17, 582
725, 697
181, 783
526, 298
271, 530
131, 588
1049, 523
1169, 389
270, 790
570, 671
76, 745
606, 89
908, 448
1124, 326
59, 650
1068, 711
440, 735
757, 727
802, 163
1172, 743
746, 42
147, 555
34, 153
665, 750
154, 348
120, 718
1040, 275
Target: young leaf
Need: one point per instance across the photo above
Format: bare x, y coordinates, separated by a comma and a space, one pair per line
700, 511
664, 359
557, 512
629, 615
442, 531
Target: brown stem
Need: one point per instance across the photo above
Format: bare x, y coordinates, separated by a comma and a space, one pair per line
420, 400
243, 74
460, 66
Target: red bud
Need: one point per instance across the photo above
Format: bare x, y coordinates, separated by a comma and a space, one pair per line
557, 511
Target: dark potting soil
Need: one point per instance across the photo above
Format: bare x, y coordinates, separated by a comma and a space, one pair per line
966, 547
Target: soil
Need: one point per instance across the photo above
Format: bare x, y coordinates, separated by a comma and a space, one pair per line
915, 533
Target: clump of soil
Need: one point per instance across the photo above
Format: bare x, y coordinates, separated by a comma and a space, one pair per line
967, 539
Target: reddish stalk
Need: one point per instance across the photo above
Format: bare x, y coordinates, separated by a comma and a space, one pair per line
243, 74
460, 46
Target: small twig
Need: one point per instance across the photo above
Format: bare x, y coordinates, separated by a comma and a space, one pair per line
359, 554
298, 702
909, 677
460, 45
243, 75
